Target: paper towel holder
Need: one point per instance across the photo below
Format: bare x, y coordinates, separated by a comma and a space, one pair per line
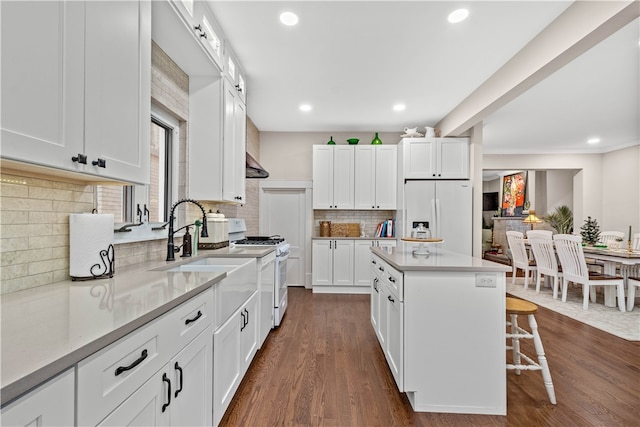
107, 269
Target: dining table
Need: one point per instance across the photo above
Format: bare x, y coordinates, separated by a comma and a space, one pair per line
611, 258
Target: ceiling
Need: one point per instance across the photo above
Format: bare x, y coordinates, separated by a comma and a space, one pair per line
353, 60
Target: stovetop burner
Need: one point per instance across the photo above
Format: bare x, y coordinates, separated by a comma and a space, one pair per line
260, 240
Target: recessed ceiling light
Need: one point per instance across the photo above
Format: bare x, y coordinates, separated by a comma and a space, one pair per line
593, 140
289, 18
305, 107
399, 107
458, 16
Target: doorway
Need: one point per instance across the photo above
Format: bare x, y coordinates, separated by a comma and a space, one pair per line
286, 209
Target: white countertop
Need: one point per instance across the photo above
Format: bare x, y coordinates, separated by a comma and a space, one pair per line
47, 329
402, 259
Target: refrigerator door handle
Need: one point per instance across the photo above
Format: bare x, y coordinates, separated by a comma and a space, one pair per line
434, 218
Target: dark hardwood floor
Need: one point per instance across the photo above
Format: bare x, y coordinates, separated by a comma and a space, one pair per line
324, 367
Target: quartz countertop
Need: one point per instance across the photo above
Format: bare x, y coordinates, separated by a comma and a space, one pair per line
47, 329
352, 238
403, 259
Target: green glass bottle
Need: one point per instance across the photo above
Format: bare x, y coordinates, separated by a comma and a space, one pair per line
331, 141
376, 140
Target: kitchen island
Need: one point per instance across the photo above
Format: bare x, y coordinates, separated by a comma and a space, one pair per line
440, 320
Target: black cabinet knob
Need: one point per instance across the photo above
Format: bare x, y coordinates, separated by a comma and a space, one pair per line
80, 158
101, 163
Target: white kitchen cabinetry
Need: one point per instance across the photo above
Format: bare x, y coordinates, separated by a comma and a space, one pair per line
51, 404
333, 176
332, 262
129, 380
435, 158
375, 177
217, 138
80, 97
233, 71
387, 285
362, 261
235, 344
174, 396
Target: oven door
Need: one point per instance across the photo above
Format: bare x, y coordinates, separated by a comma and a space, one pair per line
280, 294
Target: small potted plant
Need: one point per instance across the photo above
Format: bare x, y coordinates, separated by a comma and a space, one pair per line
590, 231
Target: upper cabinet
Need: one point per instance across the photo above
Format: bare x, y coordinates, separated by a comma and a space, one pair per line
233, 71
79, 97
436, 158
217, 140
375, 176
333, 177
199, 20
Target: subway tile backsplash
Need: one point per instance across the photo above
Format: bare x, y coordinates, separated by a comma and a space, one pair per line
371, 219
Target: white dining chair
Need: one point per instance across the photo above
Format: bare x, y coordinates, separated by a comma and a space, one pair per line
541, 243
520, 257
606, 237
574, 269
633, 282
635, 242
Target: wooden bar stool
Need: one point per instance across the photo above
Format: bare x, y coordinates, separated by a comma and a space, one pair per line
520, 360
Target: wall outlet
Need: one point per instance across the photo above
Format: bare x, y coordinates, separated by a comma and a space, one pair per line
486, 280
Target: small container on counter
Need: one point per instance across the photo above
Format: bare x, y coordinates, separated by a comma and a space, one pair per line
325, 228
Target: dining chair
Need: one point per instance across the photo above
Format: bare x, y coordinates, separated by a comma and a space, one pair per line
606, 237
574, 269
541, 243
520, 257
635, 242
632, 283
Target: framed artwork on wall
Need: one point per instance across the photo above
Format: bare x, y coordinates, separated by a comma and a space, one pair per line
513, 194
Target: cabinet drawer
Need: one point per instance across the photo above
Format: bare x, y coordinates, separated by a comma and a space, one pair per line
186, 321
389, 275
108, 377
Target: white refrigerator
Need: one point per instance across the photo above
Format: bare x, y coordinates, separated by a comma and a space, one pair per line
445, 207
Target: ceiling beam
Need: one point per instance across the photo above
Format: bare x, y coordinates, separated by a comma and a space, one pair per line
581, 26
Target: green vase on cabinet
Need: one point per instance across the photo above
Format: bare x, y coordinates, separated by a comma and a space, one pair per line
376, 140
331, 141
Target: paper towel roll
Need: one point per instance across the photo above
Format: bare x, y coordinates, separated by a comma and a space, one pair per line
90, 245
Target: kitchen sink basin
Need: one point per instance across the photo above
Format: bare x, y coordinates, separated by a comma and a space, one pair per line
209, 265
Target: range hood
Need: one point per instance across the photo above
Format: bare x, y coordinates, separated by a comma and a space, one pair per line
254, 170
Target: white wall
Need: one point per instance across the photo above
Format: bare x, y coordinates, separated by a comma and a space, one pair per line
288, 156
559, 189
621, 190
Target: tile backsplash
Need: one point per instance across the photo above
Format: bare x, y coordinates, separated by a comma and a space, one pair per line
371, 218
34, 228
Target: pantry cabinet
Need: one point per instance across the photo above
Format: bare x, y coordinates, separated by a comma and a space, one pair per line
332, 262
233, 72
51, 404
333, 177
217, 140
435, 158
375, 177
79, 96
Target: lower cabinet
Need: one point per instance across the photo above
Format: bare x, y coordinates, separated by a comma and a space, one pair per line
387, 315
51, 404
344, 262
234, 345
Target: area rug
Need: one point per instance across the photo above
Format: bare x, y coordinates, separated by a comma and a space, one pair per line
609, 319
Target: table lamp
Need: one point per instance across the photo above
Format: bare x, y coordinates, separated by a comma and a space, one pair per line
532, 218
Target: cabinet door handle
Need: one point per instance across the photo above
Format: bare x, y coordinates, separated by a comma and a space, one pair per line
244, 324
168, 381
198, 27
80, 158
375, 284
391, 279
179, 369
390, 299
199, 315
138, 361
101, 163
247, 317
381, 268
373, 262
203, 35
